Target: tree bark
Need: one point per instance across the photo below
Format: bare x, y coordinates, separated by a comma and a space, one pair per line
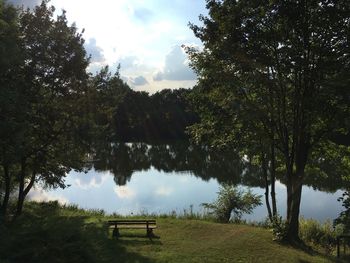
6, 199
267, 201
273, 180
293, 209
21, 196
30, 184
294, 190
289, 191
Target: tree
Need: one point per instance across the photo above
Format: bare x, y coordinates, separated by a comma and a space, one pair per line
105, 93
232, 200
275, 72
344, 216
49, 84
10, 55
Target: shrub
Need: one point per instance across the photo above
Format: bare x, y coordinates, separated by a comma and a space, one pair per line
316, 233
232, 201
279, 228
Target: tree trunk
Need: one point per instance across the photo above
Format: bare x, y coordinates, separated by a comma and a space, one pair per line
273, 180
294, 189
293, 209
30, 184
21, 195
289, 190
6, 199
267, 201
20, 203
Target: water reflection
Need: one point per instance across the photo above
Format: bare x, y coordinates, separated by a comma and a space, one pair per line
122, 160
148, 191
135, 178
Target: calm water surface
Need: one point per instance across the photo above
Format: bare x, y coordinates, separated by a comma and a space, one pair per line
140, 184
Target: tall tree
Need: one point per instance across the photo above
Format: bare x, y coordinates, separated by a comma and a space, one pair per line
276, 72
11, 55
49, 83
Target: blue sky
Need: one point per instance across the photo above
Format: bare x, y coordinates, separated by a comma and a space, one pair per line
144, 36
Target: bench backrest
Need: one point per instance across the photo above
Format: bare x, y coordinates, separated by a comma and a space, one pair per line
132, 222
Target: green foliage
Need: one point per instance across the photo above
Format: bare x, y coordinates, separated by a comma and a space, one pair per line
162, 116
273, 73
42, 92
232, 200
121, 114
105, 93
279, 228
322, 235
344, 217
329, 163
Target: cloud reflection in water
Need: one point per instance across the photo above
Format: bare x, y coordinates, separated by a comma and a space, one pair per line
153, 191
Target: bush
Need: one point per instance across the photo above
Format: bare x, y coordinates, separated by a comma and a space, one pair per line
232, 201
279, 228
316, 233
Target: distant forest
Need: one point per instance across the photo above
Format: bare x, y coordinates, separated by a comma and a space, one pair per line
123, 114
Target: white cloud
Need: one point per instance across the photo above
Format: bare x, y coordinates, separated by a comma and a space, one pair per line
39, 195
184, 179
94, 51
137, 34
163, 191
144, 15
138, 81
97, 58
127, 62
176, 67
124, 192
90, 180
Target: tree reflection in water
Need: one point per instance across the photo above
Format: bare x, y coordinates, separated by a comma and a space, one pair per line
123, 159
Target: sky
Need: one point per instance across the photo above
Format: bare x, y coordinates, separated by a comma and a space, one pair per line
143, 36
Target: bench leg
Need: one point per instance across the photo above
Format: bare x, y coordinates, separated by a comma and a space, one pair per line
116, 232
150, 232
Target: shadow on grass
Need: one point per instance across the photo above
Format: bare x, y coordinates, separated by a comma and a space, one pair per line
137, 240
124, 235
51, 237
310, 251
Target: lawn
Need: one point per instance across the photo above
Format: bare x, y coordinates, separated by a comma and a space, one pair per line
49, 233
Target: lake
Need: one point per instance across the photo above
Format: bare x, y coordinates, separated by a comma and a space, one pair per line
139, 178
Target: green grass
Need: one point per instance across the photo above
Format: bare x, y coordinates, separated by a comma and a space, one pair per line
49, 233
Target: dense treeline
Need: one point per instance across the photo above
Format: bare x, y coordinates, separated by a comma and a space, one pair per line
163, 116
129, 115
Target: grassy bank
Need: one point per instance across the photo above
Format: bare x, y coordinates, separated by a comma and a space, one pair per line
49, 233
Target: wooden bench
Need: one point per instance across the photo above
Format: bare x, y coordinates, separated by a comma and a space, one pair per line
148, 224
